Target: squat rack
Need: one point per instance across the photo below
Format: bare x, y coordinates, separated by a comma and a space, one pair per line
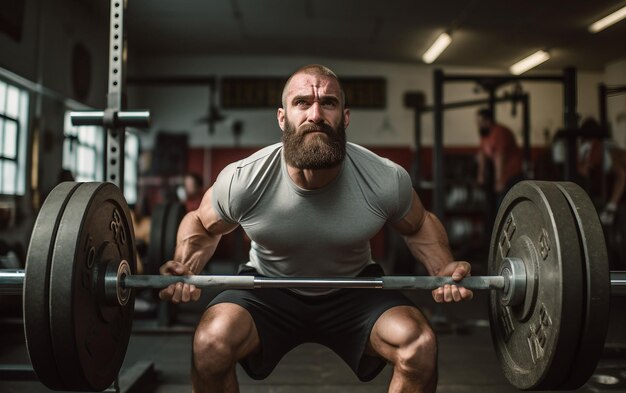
491, 83
604, 92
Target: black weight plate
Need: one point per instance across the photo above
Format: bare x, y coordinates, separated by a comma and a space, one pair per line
535, 347
175, 215
36, 284
157, 235
596, 287
90, 336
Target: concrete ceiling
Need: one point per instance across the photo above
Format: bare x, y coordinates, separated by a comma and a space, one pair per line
486, 33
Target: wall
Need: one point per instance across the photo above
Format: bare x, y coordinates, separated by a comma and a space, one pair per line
178, 109
41, 62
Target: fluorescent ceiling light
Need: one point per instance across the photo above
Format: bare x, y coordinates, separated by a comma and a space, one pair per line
608, 20
440, 44
531, 61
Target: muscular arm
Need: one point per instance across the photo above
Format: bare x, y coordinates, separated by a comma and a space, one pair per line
426, 237
198, 236
428, 242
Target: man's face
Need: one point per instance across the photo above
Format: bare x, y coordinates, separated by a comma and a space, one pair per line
313, 122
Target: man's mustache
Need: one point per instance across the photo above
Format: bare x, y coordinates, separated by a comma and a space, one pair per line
325, 128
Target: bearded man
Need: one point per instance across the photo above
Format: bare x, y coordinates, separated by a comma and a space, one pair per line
310, 206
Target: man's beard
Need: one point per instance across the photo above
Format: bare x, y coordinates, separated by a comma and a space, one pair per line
314, 152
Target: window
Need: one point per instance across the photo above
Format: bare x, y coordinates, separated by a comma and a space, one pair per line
83, 155
83, 151
131, 163
13, 133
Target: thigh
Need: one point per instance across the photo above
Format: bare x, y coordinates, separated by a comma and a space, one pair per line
398, 327
346, 321
280, 322
232, 326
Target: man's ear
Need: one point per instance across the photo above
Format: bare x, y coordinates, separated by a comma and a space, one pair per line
346, 117
280, 116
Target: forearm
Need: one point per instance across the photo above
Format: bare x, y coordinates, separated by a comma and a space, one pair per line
194, 244
199, 233
430, 244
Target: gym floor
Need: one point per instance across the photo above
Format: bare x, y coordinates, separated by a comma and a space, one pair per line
467, 360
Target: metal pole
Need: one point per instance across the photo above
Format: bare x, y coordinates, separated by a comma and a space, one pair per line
127, 118
477, 102
116, 99
618, 283
604, 123
12, 282
602, 103
252, 282
417, 114
526, 134
570, 118
438, 169
492, 101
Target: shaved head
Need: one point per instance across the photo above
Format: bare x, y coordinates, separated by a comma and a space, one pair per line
314, 69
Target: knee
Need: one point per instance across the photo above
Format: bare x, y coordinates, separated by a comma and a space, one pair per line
212, 350
417, 354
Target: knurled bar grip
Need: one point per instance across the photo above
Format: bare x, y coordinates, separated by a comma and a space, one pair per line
472, 282
252, 282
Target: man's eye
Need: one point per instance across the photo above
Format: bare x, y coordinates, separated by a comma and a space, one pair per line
329, 104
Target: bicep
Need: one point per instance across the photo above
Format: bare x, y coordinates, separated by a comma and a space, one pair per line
413, 219
210, 219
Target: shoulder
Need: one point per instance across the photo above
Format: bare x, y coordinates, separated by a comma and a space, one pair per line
251, 166
362, 155
260, 157
373, 167
241, 183
384, 183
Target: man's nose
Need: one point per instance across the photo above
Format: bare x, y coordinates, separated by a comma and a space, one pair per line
315, 113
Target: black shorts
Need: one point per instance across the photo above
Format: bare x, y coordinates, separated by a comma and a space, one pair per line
341, 321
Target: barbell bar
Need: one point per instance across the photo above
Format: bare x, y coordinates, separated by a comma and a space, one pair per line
12, 282
617, 282
254, 282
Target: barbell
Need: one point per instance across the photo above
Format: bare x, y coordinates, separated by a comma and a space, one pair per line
548, 275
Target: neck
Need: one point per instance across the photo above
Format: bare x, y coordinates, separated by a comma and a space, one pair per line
311, 179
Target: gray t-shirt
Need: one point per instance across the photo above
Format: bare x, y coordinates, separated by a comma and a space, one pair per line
312, 233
